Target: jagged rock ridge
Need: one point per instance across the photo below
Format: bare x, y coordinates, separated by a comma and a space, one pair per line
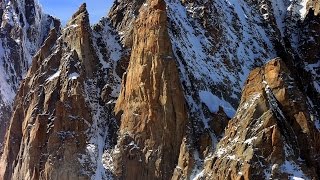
217, 43
272, 135
59, 127
23, 28
188, 61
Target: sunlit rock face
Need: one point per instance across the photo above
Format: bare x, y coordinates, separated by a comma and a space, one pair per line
153, 110
168, 89
272, 135
23, 28
59, 125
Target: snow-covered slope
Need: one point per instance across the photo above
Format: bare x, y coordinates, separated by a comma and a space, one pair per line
101, 94
216, 43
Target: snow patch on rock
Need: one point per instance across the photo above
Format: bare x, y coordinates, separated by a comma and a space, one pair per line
54, 76
213, 103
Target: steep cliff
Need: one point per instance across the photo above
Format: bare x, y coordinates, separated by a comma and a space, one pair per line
151, 103
23, 28
217, 44
148, 93
273, 134
58, 124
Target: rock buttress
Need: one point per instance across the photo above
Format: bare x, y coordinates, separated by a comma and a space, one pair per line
272, 134
151, 103
47, 132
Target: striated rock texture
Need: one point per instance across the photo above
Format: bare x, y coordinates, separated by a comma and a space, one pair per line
272, 134
58, 122
148, 92
217, 43
23, 28
151, 104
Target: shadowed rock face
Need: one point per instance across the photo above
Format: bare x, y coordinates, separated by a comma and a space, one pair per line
151, 103
122, 16
272, 134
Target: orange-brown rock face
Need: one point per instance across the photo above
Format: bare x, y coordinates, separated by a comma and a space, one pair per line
272, 134
182, 65
47, 133
23, 29
151, 103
